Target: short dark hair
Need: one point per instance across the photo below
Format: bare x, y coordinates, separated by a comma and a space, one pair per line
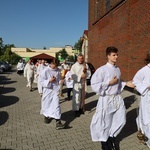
111, 49
55, 62
80, 55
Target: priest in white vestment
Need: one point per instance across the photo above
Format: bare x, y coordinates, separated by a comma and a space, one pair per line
110, 115
78, 76
50, 79
142, 83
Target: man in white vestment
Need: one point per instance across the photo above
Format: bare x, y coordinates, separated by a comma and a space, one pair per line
20, 67
78, 75
110, 116
40, 67
142, 82
50, 79
29, 73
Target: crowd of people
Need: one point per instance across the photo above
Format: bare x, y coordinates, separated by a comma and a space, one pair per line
110, 115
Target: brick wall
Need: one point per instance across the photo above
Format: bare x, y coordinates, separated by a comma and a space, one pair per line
126, 27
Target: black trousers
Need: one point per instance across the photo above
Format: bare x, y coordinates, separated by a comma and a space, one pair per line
110, 144
20, 72
69, 92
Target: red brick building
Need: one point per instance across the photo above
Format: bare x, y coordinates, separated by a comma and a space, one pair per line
124, 24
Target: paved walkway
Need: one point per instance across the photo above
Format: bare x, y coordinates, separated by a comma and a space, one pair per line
22, 127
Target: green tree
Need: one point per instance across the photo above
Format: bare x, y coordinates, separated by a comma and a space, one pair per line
78, 46
70, 58
8, 55
63, 53
15, 58
1, 46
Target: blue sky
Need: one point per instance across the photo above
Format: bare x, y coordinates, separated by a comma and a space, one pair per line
43, 23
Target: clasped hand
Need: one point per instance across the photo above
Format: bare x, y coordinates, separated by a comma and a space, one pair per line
52, 79
113, 81
130, 84
148, 87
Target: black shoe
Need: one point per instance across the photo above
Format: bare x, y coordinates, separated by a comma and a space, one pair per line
105, 146
59, 125
69, 98
47, 120
112, 143
81, 111
77, 114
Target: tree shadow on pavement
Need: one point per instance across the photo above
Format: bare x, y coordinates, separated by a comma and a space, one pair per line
3, 79
5, 90
10, 82
3, 117
8, 100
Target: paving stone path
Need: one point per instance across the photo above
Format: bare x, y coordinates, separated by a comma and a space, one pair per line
23, 128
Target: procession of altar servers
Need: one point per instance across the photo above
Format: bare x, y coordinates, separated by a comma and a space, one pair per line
110, 100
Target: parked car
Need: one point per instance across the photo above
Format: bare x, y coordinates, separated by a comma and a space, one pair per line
5, 66
9, 65
1, 69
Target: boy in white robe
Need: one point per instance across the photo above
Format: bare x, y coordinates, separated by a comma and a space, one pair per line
64, 69
29, 73
142, 83
69, 83
110, 116
50, 107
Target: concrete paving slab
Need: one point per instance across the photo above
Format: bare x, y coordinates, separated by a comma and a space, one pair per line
23, 128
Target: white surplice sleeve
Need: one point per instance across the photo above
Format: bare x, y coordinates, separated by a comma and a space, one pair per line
59, 76
98, 83
76, 78
138, 82
44, 80
68, 76
38, 69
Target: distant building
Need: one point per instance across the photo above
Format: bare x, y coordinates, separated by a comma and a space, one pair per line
27, 53
124, 24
